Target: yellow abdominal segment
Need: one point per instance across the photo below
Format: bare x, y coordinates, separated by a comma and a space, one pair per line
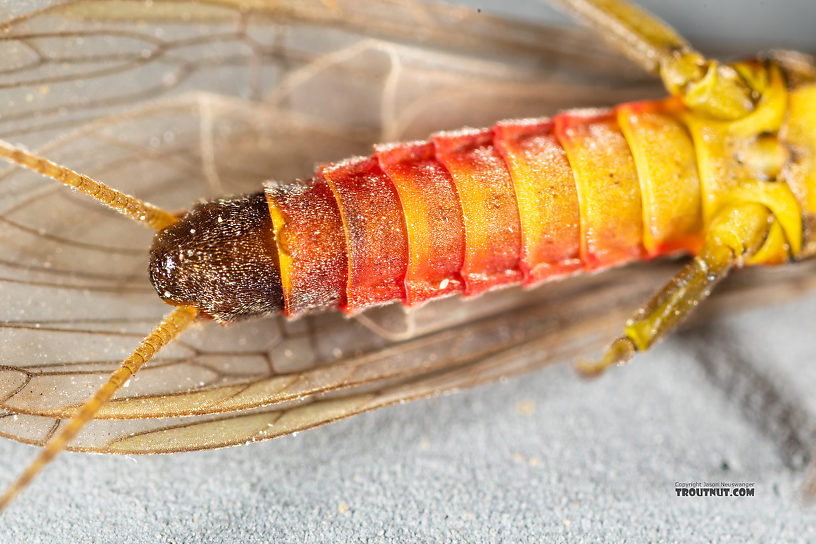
667, 170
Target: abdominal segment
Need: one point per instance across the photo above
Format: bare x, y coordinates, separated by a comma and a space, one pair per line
434, 224
474, 210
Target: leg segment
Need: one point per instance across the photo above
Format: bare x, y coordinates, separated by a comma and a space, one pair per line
705, 86
639, 35
735, 234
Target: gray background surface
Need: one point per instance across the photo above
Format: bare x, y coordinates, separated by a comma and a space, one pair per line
545, 457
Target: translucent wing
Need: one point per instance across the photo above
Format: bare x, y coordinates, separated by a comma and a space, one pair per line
175, 101
529, 336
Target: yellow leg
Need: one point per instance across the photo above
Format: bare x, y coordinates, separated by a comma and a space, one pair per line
706, 86
735, 234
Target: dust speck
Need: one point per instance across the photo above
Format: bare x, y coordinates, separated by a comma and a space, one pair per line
533, 461
526, 407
